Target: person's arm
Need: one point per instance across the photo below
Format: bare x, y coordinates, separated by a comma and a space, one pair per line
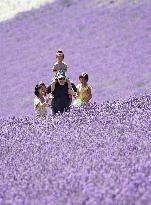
74, 89
54, 69
45, 103
49, 98
77, 93
71, 92
89, 93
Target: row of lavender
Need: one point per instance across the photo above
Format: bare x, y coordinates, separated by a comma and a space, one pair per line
110, 42
99, 155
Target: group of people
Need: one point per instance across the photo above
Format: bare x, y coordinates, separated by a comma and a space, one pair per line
61, 90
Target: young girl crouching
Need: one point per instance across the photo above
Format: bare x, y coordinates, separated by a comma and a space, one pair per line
41, 101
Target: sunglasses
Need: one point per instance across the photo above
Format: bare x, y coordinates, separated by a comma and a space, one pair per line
61, 78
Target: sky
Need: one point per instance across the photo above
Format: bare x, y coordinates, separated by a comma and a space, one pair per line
9, 8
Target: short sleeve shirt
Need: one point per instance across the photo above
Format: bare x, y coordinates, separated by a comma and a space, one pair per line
60, 66
40, 112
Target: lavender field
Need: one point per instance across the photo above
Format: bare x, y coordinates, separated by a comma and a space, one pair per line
95, 156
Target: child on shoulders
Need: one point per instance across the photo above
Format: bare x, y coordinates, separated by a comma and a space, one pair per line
60, 65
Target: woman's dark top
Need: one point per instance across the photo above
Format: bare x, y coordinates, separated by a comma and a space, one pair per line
61, 101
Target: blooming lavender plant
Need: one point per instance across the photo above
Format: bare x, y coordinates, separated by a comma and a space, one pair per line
110, 41
99, 155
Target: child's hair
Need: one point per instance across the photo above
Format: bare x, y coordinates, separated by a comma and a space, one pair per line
59, 53
85, 76
37, 87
